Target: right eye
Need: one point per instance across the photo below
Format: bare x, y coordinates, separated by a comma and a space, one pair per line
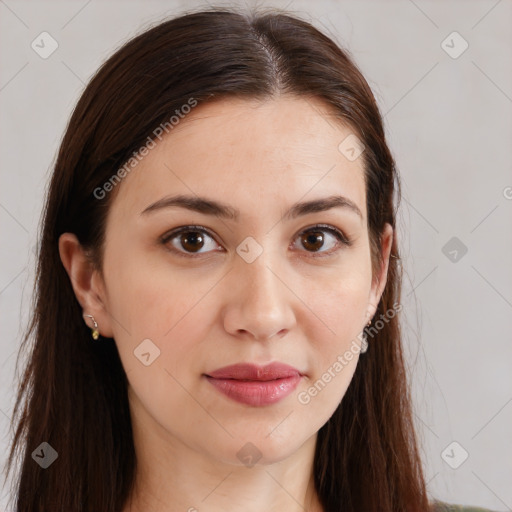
189, 240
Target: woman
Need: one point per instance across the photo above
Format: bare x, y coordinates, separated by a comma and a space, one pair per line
216, 321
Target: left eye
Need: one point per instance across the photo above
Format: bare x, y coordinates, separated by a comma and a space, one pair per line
321, 239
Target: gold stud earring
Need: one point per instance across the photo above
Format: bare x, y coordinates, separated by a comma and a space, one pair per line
94, 332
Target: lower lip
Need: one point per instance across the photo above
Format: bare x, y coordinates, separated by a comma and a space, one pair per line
256, 393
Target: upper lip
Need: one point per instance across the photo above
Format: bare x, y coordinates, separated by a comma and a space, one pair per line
250, 371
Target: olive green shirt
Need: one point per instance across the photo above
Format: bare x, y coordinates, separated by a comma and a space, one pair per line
439, 506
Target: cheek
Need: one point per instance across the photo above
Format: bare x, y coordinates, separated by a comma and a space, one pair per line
170, 326
148, 302
341, 305
147, 296
339, 300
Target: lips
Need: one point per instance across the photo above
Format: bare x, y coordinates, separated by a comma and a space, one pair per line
249, 371
255, 385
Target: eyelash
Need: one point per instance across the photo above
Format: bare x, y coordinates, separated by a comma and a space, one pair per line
342, 239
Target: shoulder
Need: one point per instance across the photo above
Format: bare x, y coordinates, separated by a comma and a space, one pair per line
439, 506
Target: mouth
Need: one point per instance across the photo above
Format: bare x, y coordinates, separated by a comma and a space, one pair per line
255, 385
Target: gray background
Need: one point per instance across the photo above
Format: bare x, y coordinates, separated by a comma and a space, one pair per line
449, 126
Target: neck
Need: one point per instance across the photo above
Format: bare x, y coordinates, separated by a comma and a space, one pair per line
173, 477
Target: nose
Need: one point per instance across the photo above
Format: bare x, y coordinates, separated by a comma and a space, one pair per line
260, 303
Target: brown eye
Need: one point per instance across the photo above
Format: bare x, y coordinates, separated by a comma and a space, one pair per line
324, 240
313, 240
190, 241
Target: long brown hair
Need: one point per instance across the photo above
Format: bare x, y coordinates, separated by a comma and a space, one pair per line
73, 393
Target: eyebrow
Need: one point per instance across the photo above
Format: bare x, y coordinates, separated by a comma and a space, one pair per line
218, 209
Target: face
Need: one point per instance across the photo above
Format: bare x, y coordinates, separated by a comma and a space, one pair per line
190, 290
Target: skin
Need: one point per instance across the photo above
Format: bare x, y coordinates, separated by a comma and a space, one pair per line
215, 309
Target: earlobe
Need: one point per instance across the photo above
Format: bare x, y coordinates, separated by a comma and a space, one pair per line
84, 281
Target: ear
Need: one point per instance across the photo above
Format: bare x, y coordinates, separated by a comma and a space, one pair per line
87, 283
379, 281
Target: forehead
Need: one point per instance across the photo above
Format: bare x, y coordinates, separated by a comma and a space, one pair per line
248, 152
